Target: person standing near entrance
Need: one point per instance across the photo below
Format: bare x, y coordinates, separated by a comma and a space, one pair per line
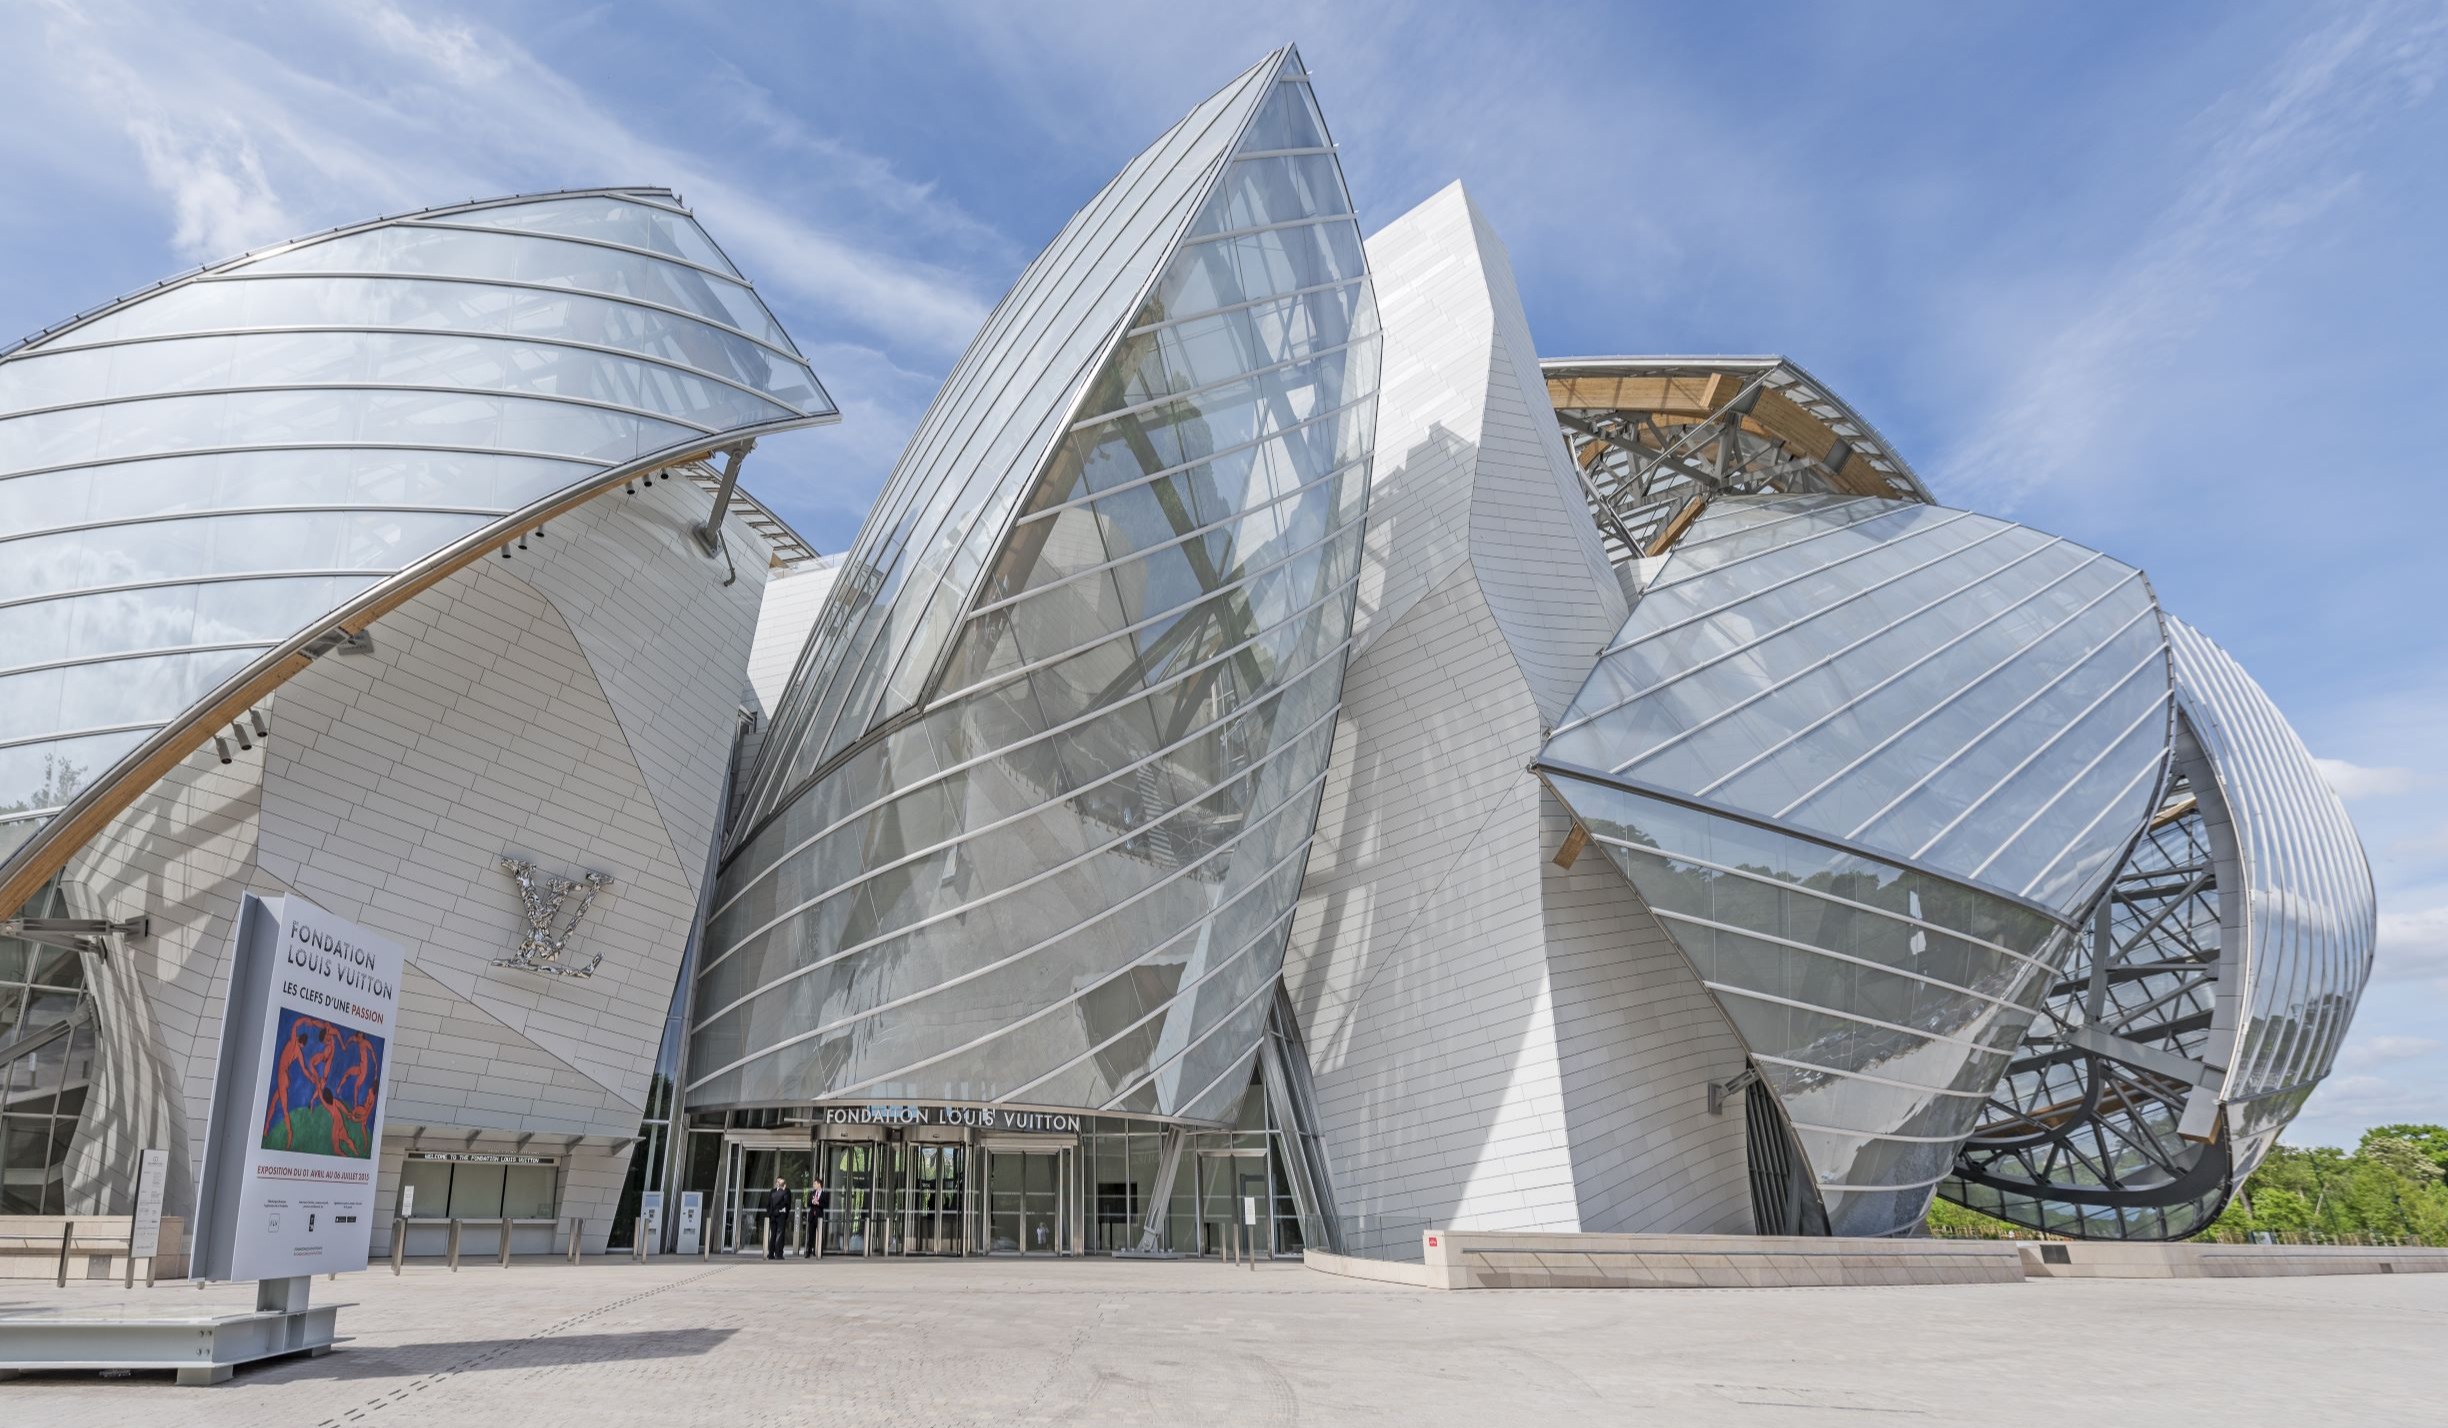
814, 1246
777, 1217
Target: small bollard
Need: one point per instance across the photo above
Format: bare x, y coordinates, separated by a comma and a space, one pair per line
577, 1228
130, 1282
637, 1241
505, 1242
399, 1245
67, 1236
454, 1246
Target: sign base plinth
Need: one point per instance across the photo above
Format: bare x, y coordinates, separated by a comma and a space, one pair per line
202, 1349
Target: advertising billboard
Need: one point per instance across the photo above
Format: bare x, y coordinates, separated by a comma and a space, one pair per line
297, 1108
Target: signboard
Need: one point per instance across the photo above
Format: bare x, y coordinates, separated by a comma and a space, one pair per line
407, 1210
482, 1157
1249, 1209
991, 1118
293, 1140
144, 1232
692, 1208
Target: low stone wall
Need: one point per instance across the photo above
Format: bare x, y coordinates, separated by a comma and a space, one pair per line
2083, 1260
30, 1246
1470, 1259
1382, 1271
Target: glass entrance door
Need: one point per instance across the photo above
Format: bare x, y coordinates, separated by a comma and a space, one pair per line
935, 1201
1028, 1201
1230, 1184
752, 1180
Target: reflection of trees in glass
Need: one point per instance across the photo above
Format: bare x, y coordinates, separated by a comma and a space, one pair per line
60, 781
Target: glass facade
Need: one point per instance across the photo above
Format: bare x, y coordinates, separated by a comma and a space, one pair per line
1948, 689
2220, 974
47, 1051
195, 474
1880, 1003
1063, 877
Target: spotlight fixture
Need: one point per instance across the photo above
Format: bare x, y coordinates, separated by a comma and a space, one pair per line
505, 550
221, 746
522, 542
263, 728
240, 730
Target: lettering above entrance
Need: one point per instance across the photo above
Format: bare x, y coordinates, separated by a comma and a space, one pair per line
992, 1118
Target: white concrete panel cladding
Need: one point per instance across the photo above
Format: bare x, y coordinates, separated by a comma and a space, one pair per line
573, 705
1496, 1042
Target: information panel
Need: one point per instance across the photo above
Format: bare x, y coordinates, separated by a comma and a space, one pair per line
293, 1141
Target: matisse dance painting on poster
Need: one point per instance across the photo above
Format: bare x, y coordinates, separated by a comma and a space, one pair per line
326, 1082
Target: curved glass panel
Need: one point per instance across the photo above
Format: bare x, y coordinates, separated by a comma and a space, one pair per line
1948, 689
1878, 1002
204, 470
978, 450
1065, 878
2310, 919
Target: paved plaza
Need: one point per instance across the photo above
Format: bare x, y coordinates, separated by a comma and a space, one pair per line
746, 1343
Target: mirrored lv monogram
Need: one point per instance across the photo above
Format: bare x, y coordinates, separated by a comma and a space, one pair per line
552, 920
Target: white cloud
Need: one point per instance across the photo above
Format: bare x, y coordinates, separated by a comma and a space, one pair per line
2413, 944
2358, 781
2274, 157
251, 133
2382, 1048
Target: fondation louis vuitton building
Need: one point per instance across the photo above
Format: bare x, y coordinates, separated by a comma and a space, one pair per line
1280, 749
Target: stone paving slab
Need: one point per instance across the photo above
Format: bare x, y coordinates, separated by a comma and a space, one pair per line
744, 1344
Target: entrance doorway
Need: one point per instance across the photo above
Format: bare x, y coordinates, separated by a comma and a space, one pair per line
755, 1167
1232, 1187
895, 1197
1031, 1206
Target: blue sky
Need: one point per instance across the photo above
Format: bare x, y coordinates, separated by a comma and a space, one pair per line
2162, 279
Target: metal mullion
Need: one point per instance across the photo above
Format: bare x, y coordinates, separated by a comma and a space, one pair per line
1265, 989
1169, 682
1818, 1070
2157, 765
1246, 305
1071, 1001
1967, 687
59, 735
2157, 654
1276, 924
1834, 655
968, 835
1141, 553
1175, 876
550, 236
369, 275
176, 453
1166, 473
997, 894
1313, 221
162, 517
1243, 582
1783, 886
80, 662
1796, 623
1876, 1135
1794, 579
1968, 632
369, 330
1749, 994
206, 579
305, 387
1834, 955
1088, 423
